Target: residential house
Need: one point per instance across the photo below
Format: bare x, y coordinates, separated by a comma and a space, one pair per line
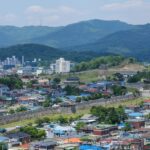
19, 137
73, 81
136, 123
3, 89
104, 130
43, 145
89, 119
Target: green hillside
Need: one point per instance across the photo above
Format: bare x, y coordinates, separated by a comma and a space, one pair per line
70, 35
133, 42
82, 33
31, 51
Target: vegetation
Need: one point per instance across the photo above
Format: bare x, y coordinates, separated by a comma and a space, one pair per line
109, 115
119, 90
47, 102
59, 118
107, 61
40, 121
54, 117
19, 109
80, 125
46, 53
31, 82
72, 90
115, 77
92, 97
34, 132
132, 43
12, 81
127, 127
139, 76
81, 33
104, 35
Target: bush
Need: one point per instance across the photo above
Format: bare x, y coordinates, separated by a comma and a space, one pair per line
34, 132
80, 125
109, 115
21, 108
62, 120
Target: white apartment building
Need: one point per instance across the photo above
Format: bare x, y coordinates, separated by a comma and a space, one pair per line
62, 66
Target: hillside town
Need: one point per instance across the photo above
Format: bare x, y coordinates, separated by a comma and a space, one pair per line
28, 91
75, 75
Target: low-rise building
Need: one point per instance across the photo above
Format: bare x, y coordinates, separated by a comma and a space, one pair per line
136, 123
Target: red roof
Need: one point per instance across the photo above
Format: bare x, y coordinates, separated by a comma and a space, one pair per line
25, 146
147, 101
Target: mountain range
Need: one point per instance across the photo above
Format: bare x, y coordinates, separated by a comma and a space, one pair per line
31, 51
92, 37
134, 42
71, 35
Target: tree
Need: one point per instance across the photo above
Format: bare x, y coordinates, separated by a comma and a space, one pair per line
47, 102
57, 100
12, 81
11, 111
56, 80
30, 83
21, 108
78, 99
46, 120
127, 127
99, 62
119, 90
80, 125
72, 90
34, 132
62, 120
121, 112
39, 122
109, 115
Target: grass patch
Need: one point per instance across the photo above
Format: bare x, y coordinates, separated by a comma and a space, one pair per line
127, 103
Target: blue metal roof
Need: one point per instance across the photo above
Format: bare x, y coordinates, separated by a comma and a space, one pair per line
135, 114
3, 139
90, 147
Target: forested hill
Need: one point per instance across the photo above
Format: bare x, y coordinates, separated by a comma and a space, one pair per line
74, 34
82, 33
133, 42
103, 62
31, 51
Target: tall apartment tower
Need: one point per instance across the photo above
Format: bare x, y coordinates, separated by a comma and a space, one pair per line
22, 60
62, 66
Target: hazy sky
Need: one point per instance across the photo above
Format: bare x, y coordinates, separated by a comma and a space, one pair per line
62, 12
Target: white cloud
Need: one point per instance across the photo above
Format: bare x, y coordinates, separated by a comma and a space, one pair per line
7, 18
37, 14
36, 9
128, 4
132, 11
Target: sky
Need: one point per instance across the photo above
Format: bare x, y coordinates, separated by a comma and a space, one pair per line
63, 12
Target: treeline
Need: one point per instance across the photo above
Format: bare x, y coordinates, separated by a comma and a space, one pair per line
101, 62
145, 75
12, 81
109, 115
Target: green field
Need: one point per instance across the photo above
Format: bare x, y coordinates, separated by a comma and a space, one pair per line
86, 76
